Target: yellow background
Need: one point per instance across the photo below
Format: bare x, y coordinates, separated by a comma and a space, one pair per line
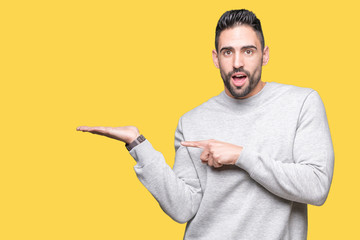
145, 63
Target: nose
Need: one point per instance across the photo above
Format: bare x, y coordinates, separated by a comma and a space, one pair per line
238, 61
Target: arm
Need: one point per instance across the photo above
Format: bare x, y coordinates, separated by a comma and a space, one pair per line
177, 190
306, 179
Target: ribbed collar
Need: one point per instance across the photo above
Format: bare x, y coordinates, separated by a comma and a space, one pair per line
246, 104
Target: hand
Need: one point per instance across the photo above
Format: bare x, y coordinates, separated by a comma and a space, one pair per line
216, 153
125, 134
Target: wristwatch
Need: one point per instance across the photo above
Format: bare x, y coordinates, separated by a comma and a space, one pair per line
136, 142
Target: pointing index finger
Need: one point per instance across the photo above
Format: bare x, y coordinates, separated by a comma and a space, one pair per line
197, 144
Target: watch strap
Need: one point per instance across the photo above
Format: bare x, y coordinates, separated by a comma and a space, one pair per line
136, 142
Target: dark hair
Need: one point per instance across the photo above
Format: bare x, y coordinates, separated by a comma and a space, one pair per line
237, 17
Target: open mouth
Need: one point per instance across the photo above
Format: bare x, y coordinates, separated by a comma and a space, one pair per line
239, 79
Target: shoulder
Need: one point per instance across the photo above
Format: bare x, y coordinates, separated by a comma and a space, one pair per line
304, 100
286, 89
291, 94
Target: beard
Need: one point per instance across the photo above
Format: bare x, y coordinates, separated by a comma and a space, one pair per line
240, 92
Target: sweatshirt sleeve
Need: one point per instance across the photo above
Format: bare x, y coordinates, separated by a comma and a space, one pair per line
177, 190
308, 176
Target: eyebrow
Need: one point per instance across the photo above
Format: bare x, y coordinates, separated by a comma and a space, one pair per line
244, 47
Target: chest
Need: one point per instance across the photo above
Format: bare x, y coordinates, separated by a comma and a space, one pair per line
269, 132
273, 129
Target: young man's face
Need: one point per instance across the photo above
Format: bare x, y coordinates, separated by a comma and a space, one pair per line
240, 59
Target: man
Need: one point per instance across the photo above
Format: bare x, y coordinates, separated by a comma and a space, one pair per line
249, 160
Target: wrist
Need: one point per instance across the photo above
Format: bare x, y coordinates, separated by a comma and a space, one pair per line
132, 138
135, 142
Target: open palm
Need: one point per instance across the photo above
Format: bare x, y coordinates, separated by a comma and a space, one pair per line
125, 134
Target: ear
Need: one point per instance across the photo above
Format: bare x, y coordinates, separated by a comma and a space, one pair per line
215, 58
265, 56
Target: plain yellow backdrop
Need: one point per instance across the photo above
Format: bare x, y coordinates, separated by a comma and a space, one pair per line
145, 63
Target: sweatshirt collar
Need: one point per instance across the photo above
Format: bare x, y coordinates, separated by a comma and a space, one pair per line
247, 103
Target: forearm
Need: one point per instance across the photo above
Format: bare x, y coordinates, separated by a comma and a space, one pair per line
300, 182
178, 197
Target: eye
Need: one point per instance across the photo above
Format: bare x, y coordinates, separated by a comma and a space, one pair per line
248, 51
227, 52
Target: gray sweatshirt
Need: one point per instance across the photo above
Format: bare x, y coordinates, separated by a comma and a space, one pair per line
287, 162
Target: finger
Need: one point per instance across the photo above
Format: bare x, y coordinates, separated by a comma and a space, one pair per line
210, 161
198, 144
96, 130
82, 128
216, 164
204, 157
